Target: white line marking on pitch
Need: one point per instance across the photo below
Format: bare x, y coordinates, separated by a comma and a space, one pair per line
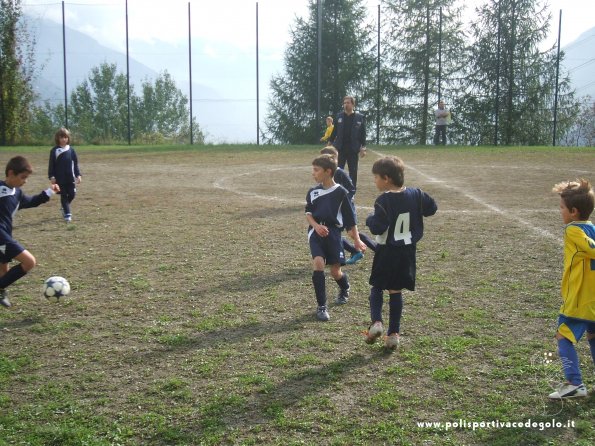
220, 184
495, 209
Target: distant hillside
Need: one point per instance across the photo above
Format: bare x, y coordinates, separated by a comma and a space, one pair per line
580, 63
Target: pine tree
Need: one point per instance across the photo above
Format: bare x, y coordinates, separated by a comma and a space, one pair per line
418, 35
347, 68
16, 71
513, 89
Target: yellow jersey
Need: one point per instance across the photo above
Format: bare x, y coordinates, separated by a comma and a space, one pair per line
578, 278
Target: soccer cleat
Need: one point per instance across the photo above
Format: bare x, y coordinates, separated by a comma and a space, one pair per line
392, 341
374, 332
4, 299
322, 314
355, 258
567, 390
343, 297
67, 218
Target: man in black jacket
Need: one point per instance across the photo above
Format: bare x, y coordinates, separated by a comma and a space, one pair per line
349, 137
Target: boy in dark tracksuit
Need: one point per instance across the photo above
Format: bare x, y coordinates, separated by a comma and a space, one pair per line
64, 170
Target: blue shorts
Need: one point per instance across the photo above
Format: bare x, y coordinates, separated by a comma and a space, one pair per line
9, 250
330, 248
574, 329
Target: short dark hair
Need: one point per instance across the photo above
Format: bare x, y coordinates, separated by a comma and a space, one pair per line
18, 165
326, 162
329, 150
577, 194
391, 167
62, 131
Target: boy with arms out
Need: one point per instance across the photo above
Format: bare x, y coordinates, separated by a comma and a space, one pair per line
328, 211
12, 198
577, 313
397, 222
63, 170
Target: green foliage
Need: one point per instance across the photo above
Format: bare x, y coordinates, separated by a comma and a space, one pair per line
347, 64
16, 72
518, 81
99, 111
412, 48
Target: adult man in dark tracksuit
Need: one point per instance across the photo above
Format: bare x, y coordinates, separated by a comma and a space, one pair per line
349, 137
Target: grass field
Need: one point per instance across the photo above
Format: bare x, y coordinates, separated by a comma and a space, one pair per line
192, 315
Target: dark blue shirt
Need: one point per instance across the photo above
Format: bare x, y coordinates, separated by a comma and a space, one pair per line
398, 216
63, 165
331, 207
11, 200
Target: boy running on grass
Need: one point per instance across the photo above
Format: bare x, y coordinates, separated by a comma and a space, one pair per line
397, 222
12, 198
577, 314
328, 211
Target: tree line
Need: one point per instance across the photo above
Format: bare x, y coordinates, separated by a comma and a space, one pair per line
498, 83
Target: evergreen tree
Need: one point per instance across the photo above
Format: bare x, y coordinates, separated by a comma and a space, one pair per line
16, 72
512, 89
422, 45
347, 68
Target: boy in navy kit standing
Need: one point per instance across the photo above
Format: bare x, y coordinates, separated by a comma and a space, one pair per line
328, 211
397, 222
64, 170
344, 180
12, 198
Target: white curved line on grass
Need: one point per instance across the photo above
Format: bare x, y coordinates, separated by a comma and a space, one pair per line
491, 207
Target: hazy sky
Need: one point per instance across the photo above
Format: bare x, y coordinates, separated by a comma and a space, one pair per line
233, 21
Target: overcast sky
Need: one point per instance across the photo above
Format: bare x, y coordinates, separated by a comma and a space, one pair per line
233, 21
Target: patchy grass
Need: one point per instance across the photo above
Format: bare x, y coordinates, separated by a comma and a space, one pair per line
191, 318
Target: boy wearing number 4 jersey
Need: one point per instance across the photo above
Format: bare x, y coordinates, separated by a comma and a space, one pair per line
398, 224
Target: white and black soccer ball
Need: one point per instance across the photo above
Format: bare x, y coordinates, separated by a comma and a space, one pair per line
55, 287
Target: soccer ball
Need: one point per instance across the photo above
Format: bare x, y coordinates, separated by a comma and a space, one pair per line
55, 287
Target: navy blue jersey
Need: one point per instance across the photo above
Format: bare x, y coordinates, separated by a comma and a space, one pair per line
11, 200
398, 216
63, 165
344, 180
331, 207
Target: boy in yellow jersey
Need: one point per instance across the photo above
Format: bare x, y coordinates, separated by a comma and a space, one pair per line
577, 314
329, 129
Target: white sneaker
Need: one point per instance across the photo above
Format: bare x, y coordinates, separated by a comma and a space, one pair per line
392, 341
567, 390
374, 332
322, 314
4, 299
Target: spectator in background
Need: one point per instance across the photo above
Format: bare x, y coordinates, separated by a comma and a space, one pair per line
442, 120
349, 137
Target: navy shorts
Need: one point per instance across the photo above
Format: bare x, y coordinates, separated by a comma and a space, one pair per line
393, 267
9, 250
330, 248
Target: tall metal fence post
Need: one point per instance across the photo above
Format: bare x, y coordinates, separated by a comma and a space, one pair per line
257, 84
378, 85
128, 78
557, 86
64, 58
190, 71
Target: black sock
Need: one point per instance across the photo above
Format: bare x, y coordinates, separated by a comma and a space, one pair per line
395, 308
13, 274
343, 282
319, 287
